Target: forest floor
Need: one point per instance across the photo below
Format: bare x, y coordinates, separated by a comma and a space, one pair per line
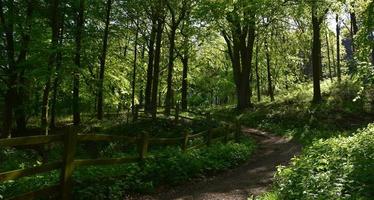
249, 179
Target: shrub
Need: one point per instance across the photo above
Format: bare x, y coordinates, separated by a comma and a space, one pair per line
337, 168
166, 166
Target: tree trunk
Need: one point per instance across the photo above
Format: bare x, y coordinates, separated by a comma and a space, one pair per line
354, 28
134, 74
51, 61
240, 49
270, 82
11, 72
316, 55
328, 56
169, 91
141, 97
257, 76
184, 82
372, 56
148, 87
77, 62
156, 68
22, 92
338, 49
100, 98
57, 78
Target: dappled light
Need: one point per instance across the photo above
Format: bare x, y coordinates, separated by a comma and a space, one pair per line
187, 99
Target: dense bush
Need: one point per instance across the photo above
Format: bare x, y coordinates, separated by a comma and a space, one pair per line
337, 168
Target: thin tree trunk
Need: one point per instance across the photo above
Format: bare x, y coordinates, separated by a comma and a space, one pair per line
148, 87
57, 78
52, 61
333, 58
77, 62
141, 97
338, 49
133, 84
316, 55
270, 81
354, 28
156, 68
184, 81
100, 97
257, 76
372, 56
11, 72
169, 91
22, 92
328, 55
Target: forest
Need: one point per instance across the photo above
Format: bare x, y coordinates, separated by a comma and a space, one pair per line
187, 99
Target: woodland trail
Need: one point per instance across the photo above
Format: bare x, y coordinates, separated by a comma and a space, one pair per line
250, 179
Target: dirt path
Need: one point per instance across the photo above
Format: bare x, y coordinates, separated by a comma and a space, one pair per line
251, 178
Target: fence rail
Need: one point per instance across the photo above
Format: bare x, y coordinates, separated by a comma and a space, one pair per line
69, 163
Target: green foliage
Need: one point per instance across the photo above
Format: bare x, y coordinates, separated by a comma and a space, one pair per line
293, 115
168, 166
338, 168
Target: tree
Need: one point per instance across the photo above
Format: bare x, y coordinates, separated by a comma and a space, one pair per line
133, 84
178, 13
268, 67
54, 23
317, 20
100, 94
157, 57
8, 27
338, 49
240, 41
77, 60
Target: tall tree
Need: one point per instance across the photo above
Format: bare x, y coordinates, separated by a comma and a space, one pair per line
79, 20
22, 92
178, 13
338, 48
257, 74
54, 23
100, 92
317, 19
133, 82
57, 78
268, 67
240, 41
328, 55
157, 59
8, 27
151, 49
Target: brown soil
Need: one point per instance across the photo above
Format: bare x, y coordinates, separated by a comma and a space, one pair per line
250, 179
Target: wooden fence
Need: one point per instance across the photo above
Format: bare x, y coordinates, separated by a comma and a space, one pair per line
69, 162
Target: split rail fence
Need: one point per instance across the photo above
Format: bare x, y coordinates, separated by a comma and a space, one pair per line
70, 140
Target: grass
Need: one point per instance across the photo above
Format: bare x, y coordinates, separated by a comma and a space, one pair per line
338, 156
293, 114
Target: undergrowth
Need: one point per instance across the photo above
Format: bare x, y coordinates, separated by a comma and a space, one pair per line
336, 168
164, 167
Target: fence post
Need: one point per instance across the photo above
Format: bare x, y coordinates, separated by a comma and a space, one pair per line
177, 113
70, 145
143, 145
238, 130
185, 141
